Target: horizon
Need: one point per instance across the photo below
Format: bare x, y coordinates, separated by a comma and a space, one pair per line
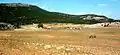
76, 7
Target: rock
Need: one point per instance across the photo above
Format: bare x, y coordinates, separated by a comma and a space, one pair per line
47, 46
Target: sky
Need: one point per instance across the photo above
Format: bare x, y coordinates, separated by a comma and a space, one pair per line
109, 8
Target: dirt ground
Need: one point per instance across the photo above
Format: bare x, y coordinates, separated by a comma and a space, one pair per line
61, 42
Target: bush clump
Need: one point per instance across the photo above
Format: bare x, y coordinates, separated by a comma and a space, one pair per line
40, 25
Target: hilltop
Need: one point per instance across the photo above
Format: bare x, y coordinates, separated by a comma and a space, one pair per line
20, 14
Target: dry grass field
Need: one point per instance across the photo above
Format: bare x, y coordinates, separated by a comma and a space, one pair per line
61, 42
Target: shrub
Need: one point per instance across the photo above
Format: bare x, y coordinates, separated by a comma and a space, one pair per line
40, 25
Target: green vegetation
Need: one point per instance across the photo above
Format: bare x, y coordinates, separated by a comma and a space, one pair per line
21, 14
40, 25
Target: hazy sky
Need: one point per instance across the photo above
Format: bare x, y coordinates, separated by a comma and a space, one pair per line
109, 8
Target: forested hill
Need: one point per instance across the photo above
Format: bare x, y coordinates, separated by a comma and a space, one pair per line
18, 13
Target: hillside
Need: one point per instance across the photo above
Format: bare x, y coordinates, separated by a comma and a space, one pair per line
20, 14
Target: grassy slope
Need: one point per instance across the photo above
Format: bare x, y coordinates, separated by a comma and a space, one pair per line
33, 14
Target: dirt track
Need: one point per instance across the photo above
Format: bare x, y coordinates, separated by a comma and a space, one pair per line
54, 42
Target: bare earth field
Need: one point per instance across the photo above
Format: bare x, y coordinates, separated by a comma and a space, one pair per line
61, 42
